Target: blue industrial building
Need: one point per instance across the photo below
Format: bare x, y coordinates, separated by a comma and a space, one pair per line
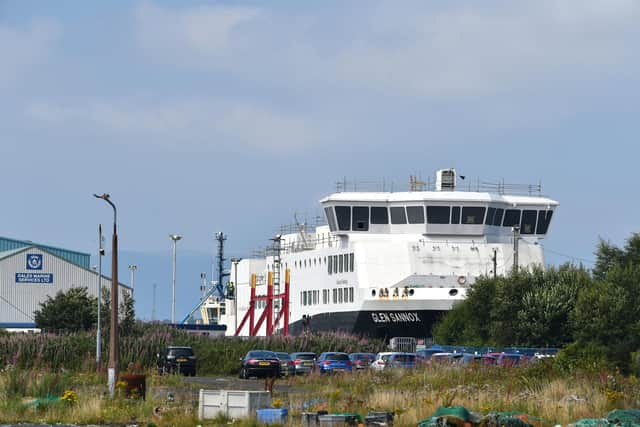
31, 272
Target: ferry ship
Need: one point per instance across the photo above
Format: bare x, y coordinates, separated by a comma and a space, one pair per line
390, 263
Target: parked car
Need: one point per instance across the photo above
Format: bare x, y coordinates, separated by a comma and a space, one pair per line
470, 358
361, 361
260, 363
381, 360
176, 359
401, 360
425, 354
509, 359
303, 362
330, 362
490, 359
286, 364
446, 358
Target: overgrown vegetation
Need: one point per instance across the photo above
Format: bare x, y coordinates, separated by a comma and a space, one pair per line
595, 314
540, 390
214, 355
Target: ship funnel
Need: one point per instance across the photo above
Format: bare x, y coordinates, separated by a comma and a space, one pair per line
446, 180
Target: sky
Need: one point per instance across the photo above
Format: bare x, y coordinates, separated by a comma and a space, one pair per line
199, 117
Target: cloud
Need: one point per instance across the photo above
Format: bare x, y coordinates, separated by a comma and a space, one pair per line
411, 49
209, 31
192, 122
22, 50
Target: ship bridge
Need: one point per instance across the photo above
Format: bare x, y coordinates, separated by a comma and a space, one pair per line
443, 212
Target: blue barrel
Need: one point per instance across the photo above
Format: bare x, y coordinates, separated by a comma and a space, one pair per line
272, 416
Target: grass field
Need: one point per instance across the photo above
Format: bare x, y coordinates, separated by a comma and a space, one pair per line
538, 390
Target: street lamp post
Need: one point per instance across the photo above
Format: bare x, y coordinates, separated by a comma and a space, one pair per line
174, 238
112, 367
133, 268
235, 262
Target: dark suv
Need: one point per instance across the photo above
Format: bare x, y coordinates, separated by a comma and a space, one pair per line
176, 359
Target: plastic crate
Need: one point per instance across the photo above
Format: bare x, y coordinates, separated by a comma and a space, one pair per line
379, 419
339, 420
272, 416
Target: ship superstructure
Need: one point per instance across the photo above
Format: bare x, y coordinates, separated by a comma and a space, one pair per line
391, 263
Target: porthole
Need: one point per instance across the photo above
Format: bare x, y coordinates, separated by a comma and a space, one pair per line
453, 292
411, 292
373, 292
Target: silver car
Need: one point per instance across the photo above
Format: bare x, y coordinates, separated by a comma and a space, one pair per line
286, 364
304, 362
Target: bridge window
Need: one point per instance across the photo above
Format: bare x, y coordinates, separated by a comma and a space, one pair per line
339, 295
528, 225
351, 266
360, 218
330, 265
331, 219
455, 215
511, 217
335, 263
490, 214
343, 214
415, 214
379, 215
340, 263
497, 219
350, 294
472, 215
398, 215
544, 218
440, 214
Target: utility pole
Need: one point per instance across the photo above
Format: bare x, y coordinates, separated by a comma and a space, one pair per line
516, 238
235, 262
133, 269
495, 262
99, 328
174, 238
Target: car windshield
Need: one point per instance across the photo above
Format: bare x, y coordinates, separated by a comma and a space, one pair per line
180, 352
361, 356
261, 355
305, 356
283, 356
337, 357
404, 358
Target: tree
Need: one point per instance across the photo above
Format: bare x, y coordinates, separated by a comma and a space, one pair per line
71, 311
529, 307
126, 312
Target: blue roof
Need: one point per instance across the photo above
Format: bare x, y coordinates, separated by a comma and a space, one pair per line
79, 258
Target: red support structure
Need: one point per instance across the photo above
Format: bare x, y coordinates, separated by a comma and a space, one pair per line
267, 313
252, 303
269, 307
285, 302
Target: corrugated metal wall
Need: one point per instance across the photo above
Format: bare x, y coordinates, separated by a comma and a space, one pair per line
18, 301
79, 258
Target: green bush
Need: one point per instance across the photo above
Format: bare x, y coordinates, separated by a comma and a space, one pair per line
589, 358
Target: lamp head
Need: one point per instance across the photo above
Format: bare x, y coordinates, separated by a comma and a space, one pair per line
103, 196
175, 237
